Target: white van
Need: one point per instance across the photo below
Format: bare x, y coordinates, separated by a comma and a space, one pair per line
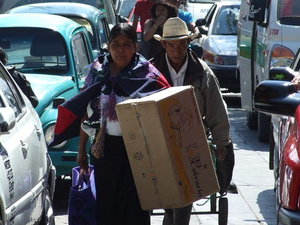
268, 36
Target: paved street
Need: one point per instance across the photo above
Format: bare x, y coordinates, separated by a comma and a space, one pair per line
255, 202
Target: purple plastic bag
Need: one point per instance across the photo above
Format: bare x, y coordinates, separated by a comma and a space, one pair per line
82, 199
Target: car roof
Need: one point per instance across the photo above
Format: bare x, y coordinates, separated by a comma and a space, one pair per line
60, 24
60, 8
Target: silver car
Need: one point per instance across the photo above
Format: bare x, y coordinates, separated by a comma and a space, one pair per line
219, 42
27, 176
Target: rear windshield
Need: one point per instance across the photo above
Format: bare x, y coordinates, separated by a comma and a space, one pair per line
35, 50
289, 12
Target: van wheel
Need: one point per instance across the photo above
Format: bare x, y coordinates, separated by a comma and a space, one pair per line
264, 124
48, 214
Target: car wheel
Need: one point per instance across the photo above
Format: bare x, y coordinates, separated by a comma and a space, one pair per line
48, 215
264, 124
252, 120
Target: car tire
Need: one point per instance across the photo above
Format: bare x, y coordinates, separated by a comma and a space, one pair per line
252, 120
264, 124
48, 214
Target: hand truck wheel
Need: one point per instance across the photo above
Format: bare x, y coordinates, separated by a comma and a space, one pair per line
223, 211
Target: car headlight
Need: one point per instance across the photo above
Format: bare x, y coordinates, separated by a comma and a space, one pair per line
281, 56
49, 134
219, 59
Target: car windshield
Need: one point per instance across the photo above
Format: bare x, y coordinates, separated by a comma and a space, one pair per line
125, 7
39, 51
289, 12
226, 20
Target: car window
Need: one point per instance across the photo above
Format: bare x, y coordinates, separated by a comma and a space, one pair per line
289, 12
11, 94
35, 50
210, 14
80, 53
103, 33
89, 28
226, 21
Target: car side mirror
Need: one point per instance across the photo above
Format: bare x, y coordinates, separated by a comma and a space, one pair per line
257, 10
275, 97
282, 73
7, 120
200, 22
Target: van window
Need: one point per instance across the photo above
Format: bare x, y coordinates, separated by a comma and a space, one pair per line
10, 94
289, 12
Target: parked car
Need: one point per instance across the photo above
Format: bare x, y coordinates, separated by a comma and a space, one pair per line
106, 5
219, 42
281, 99
53, 52
93, 19
27, 176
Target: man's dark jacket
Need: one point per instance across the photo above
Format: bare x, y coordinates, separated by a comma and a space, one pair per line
24, 84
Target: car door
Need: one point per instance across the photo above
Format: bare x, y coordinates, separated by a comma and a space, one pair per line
19, 155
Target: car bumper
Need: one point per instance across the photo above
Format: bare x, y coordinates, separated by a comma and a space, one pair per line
288, 217
228, 76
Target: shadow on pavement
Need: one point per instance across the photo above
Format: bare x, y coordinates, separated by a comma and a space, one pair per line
265, 202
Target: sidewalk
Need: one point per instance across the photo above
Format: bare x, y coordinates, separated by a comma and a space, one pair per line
255, 202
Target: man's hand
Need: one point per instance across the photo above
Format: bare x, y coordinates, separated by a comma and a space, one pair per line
221, 153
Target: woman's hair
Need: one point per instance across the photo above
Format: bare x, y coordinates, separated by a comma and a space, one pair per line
123, 29
172, 11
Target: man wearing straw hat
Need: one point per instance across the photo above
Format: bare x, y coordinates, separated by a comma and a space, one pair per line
182, 67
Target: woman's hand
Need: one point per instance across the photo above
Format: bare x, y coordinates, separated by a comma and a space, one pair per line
82, 160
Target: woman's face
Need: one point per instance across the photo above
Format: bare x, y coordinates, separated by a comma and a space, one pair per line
122, 50
161, 10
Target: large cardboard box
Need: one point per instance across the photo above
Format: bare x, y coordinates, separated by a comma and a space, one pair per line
167, 148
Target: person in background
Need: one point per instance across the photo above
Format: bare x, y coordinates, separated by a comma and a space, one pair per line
20, 79
160, 12
188, 18
114, 77
182, 67
141, 14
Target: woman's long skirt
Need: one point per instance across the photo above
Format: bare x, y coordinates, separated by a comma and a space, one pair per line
117, 198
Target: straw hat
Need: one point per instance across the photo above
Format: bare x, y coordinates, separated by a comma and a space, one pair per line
175, 29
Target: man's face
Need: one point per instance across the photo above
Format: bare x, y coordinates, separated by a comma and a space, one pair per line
176, 50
